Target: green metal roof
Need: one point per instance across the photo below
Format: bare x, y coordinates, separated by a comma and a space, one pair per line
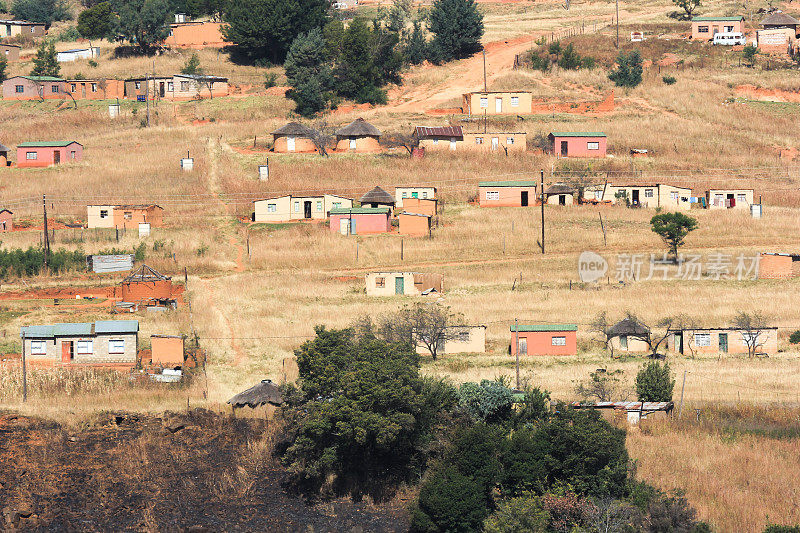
545, 327
82, 329
507, 184
578, 134
46, 144
710, 19
40, 78
360, 211
116, 326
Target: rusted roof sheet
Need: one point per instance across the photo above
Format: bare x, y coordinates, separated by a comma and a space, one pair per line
438, 131
145, 274
627, 406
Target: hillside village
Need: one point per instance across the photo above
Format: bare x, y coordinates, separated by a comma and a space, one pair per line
493, 265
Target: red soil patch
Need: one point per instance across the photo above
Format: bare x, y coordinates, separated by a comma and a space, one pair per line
445, 111
768, 95
789, 154
344, 109
51, 224
112, 292
579, 108
668, 59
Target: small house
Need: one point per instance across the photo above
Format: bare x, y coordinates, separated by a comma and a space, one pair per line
360, 220
722, 341
10, 52
74, 54
433, 138
577, 144
167, 350
45, 154
130, 216
421, 205
403, 283
461, 339
506, 193
293, 138
95, 89
773, 265
177, 87
453, 138
195, 35
497, 103
544, 339
705, 28
729, 198
358, 136
424, 193
559, 194
33, 88
288, 208
108, 342
414, 224
641, 195
15, 28
377, 197
6, 220
628, 335
780, 20
4, 160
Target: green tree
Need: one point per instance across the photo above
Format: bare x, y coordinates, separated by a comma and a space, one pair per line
457, 28
143, 23
673, 229
487, 401
358, 75
570, 59
524, 514
192, 65
95, 22
688, 7
44, 11
46, 63
654, 383
629, 70
794, 338
309, 73
265, 29
3, 67
749, 54
416, 48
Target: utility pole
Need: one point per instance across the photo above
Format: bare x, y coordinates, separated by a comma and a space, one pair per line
147, 96
516, 348
683, 386
617, 3
541, 183
485, 86
24, 371
46, 235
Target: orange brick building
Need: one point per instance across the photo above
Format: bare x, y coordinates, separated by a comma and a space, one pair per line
506, 193
414, 224
195, 35
778, 266
546, 339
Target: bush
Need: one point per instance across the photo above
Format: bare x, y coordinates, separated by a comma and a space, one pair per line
524, 514
629, 70
781, 529
43, 11
270, 80
192, 65
488, 401
669, 80
794, 338
27, 263
654, 383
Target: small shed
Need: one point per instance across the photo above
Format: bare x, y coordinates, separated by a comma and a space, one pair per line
293, 138
776, 265
420, 205
559, 194
360, 220
377, 197
76, 53
6, 220
130, 216
628, 335
403, 283
414, 224
45, 154
358, 136
578, 143
167, 350
10, 52
506, 193
544, 339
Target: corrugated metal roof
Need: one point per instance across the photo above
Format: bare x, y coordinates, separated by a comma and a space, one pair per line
628, 406
438, 131
46, 144
414, 214
507, 184
360, 211
116, 326
578, 134
40, 78
110, 263
712, 19
82, 329
544, 327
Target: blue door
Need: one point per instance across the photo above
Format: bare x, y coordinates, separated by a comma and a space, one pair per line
352, 226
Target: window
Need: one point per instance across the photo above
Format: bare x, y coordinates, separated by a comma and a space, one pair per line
38, 347
84, 347
750, 337
19, 89
380, 282
719, 199
740, 198
702, 29
297, 207
598, 195
33, 30
104, 213
424, 195
319, 205
559, 341
170, 86
414, 195
72, 154
648, 193
353, 144
127, 215
116, 346
54, 88
184, 86
702, 339
478, 140
515, 101
337, 205
592, 145
272, 208
405, 194
484, 102
94, 87
509, 140
674, 195
492, 195
30, 156
436, 141
729, 29
137, 84
463, 336
73, 87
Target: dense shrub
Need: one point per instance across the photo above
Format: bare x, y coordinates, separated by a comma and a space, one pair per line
794, 338
781, 529
26, 263
654, 383
487, 401
629, 70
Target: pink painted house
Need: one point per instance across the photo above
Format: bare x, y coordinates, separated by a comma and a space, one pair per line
360, 220
45, 154
506, 193
6, 220
578, 144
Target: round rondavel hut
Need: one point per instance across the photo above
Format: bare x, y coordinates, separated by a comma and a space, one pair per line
358, 136
293, 138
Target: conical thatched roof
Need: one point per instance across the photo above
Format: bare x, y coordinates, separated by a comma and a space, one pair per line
264, 392
628, 327
780, 19
145, 274
359, 128
559, 188
4, 148
377, 196
293, 128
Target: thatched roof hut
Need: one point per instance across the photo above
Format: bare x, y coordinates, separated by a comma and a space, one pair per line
265, 392
359, 128
559, 188
628, 327
377, 197
293, 128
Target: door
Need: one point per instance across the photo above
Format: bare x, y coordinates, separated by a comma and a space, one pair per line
290, 143
83, 90
523, 346
344, 226
679, 343
523, 198
635, 196
161, 91
495, 143
564, 149
723, 343
66, 351
353, 227
399, 285
562, 199
452, 144
56, 157
307, 209
353, 143
498, 105
731, 201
